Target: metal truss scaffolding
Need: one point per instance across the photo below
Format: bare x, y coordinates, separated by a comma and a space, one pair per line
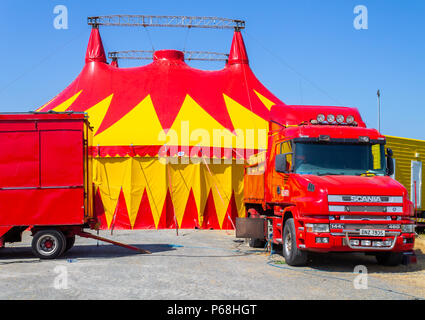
188, 55
166, 21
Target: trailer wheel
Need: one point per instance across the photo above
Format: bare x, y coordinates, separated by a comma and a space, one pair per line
48, 244
293, 256
389, 258
69, 243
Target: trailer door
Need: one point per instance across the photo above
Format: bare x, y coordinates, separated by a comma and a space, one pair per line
19, 166
62, 158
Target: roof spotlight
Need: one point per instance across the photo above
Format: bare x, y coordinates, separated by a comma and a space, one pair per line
350, 119
340, 118
321, 118
330, 118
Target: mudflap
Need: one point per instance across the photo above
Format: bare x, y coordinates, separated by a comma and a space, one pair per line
250, 228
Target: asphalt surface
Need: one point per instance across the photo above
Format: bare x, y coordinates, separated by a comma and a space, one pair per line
196, 264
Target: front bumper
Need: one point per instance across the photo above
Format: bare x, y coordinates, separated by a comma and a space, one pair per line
341, 242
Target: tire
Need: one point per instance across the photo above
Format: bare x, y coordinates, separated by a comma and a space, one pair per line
389, 258
48, 244
256, 243
293, 256
69, 243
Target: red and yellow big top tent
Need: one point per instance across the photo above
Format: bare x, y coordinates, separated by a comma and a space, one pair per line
149, 120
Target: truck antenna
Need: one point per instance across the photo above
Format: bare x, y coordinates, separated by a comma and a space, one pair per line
378, 93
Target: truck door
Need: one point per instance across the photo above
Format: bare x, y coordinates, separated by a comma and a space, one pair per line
278, 181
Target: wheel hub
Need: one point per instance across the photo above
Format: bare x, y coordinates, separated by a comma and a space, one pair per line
47, 244
288, 243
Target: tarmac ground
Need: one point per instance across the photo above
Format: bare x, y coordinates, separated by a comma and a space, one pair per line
198, 264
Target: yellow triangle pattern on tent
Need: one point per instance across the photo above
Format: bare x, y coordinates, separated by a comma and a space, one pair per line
109, 179
265, 101
133, 187
197, 126
253, 127
140, 126
217, 178
183, 178
67, 103
153, 173
237, 186
45, 105
97, 112
149, 174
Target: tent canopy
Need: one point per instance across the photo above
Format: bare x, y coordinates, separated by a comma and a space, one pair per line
137, 111
132, 106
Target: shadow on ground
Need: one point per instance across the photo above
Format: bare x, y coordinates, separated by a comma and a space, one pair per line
84, 251
346, 262
11, 255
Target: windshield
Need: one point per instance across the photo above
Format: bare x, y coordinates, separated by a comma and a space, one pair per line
339, 159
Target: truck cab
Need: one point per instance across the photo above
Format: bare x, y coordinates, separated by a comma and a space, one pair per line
324, 185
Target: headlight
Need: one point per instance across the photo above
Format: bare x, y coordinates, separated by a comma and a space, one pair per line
350, 119
330, 118
317, 227
321, 118
407, 228
340, 118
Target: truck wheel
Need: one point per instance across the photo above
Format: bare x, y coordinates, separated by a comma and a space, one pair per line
293, 256
69, 243
389, 258
256, 243
48, 244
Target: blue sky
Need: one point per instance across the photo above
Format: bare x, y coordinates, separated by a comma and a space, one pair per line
305, 52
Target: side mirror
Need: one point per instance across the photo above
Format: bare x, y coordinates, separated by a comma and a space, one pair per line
281, 165
390, 163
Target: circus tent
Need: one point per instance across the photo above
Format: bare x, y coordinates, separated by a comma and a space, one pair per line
169, 140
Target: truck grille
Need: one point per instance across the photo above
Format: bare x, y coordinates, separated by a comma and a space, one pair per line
360, 217
365, 209
346, 203
357, 226
369, 199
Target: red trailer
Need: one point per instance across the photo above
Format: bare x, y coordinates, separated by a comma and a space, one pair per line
46, 180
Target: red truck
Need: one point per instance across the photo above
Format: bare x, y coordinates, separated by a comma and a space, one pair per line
324, 185
46, 180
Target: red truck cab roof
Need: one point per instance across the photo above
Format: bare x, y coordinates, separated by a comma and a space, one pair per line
293, 115
302, 122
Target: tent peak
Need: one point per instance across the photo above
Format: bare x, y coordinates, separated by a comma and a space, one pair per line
95, 51
238, 53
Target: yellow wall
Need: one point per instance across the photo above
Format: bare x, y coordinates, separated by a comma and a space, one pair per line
407, 150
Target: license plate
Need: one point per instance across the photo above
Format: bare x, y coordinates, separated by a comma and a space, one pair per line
372, 232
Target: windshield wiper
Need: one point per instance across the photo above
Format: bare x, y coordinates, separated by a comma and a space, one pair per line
329, 174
